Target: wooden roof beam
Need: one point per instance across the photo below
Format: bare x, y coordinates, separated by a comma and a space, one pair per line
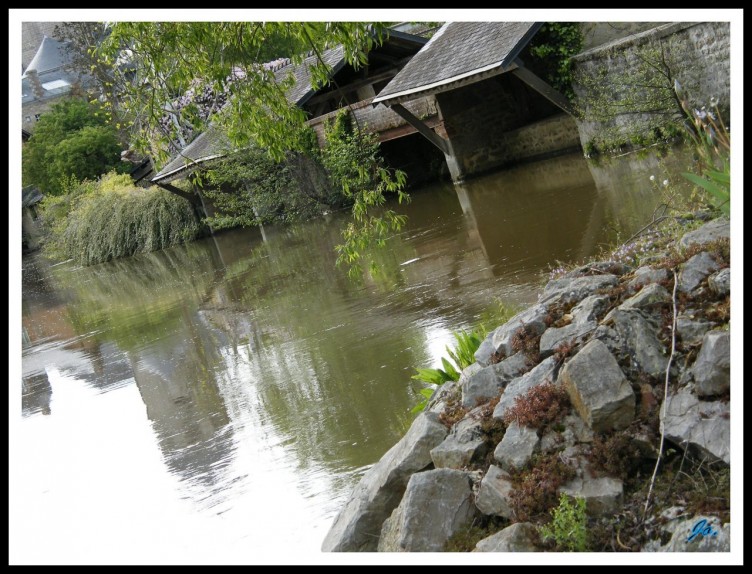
427, 133
543, 88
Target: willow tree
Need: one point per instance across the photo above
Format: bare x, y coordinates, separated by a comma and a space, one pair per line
192, 73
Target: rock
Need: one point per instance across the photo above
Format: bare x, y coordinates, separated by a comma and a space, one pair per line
572, 290
438, 400
516, 448
599, 392
580, 431
572, 334
700, 425
465, 441
694, 535
589, 308
487, 382
640, 341
603, 496
695, 270
712, 368
554, 441
519, 537
494, 494
533, 318
647, 275
610, 338
437, 504
712, 231
691, 331
540, 374
486, 350
358, 524
720, 283
649, 296
599, 267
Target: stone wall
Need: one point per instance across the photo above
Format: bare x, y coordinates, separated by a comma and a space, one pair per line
698, 57
501, 121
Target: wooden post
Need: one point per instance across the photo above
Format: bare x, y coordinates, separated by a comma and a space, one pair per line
430, 135
544, 89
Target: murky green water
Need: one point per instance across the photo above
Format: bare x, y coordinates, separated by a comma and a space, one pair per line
216, 402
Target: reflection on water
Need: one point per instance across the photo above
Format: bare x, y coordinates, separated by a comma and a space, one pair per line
268, 382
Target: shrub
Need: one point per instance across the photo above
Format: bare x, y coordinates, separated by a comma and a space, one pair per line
113, 218
541, 406
568, 529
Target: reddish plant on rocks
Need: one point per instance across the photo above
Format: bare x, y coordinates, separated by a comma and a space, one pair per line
527, 341
541, 406
535, 489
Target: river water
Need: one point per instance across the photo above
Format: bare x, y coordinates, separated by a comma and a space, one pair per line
216, 402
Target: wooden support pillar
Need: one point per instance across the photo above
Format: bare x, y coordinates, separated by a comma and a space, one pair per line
445, 145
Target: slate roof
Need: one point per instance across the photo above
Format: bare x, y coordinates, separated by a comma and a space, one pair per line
211, 144
51, 55
460, 52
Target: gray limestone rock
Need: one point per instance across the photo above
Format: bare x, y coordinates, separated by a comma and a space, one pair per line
437, 504
487, 382
647, 275
695, 534
701, 425
540, 374
689, 330
720, 283
464, 442
711, 231
494, 494
695, 270
358, 524
649, 296
516, 448
573, 290
640, 341
519, 537
599, 392
603, 496
712, 368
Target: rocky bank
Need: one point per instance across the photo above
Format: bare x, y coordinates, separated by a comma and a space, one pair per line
571, 396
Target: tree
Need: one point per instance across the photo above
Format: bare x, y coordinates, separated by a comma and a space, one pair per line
74, 140
171, 57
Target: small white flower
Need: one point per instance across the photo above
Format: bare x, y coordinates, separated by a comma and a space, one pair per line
665, 183
713, 101
652, 178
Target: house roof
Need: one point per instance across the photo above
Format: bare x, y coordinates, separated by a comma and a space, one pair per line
459, 53
212, 144
209, 145
51, 55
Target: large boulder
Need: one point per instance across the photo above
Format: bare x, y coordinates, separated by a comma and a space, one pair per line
358, 524
465, 442
494, 496
487, 382
700, 425
542, 373
437, 504
695, 270
598, 389
711, 231
712, 368
516, 447
519, 537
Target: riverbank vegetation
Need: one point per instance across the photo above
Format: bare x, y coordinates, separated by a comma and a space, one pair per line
96, 221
